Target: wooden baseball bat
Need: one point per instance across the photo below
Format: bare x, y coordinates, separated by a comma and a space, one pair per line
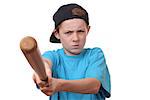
29, 47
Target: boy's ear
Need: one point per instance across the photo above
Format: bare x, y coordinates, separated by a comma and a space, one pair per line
88, 27
55, 32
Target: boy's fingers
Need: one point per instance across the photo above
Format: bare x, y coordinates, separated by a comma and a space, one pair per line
46, 87
43, 84
40, 83
47, 91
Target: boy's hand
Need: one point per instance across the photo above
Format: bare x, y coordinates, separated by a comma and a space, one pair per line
49, 87
39, 82
52, 87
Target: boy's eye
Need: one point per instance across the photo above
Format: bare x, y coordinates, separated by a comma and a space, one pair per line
81, 31
68, 32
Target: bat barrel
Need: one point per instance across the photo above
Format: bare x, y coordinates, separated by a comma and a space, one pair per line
28, 44
30, 49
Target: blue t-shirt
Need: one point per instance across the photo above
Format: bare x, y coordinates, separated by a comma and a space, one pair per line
90, 63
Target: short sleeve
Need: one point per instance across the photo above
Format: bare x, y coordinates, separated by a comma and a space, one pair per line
98, 69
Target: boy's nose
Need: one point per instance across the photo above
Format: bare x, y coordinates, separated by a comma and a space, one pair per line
75, 37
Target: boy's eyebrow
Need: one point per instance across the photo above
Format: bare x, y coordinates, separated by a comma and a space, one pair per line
74, 30
68, 31
80, 30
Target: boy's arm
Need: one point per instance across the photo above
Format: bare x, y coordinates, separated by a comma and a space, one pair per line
84, 86
87, 85
48, 67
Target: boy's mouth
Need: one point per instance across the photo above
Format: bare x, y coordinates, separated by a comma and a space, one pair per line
75, 46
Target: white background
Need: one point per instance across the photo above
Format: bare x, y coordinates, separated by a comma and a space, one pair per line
120, 27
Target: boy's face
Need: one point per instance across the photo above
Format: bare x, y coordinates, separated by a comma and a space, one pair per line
72, 34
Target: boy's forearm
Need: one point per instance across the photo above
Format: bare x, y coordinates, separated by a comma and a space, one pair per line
48, 67
87, 85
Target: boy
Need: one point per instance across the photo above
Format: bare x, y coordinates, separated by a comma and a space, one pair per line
74, 73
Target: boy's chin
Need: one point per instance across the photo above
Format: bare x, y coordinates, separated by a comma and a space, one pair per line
75, 51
